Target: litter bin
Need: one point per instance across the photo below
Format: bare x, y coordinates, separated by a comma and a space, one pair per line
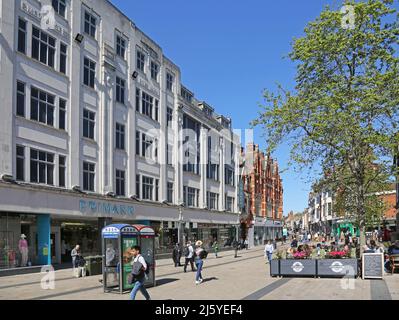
94, 265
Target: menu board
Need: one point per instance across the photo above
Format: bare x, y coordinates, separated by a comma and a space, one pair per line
373, 265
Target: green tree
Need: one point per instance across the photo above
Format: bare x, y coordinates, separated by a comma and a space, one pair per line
344, 109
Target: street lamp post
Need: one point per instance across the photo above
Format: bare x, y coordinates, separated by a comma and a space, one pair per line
180, 234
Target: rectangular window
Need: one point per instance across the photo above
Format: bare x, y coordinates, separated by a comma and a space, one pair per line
20, 99
156, 189
169, 82
146, 146
170, 192
120, 90
138, 100
169, 154
62, 114
137, 185
43, 47
154, 70
42, 106
212, 200
90, 24
61, 171
89, 72
229, 175
22, 36
148, 188
229, 204
120, 46
156, 111
120, 136
169, 116
89, 121
191, 196
138, 143
59, 7
88, 176
20, 163
63, 58
140, 61
147, 103
120, 183
41, 167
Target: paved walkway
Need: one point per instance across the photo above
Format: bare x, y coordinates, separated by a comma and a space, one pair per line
226, 278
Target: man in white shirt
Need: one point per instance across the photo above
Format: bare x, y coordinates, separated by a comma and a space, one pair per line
189, 255
269, 251
139, 267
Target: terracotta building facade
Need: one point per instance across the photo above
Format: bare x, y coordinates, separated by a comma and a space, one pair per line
263, 189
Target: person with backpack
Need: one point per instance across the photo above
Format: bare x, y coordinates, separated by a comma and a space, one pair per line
189, 256
138, 275
200, 255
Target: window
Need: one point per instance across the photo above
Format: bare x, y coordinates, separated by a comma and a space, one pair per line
22, 36
120, 136
41, 167
88, 176
169, 116
147, 104
156, 189
212, 200
120, 46
156, 110
169, 154
43, 47
138, 143
137, 185
88, 124
170, 192
140, 61
146, 146
191, 196
154, 70
229, 176
90, 24
63, 58
59, 7
61, 171
89, 72
20, 99
229, 204
42, 106
62, 114
213, 171
20, 163
188, 96
148, 187
169, 82
138, 100
120, 90
120, 183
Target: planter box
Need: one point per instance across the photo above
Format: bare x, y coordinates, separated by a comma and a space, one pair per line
275, 268
302, 267
337, 268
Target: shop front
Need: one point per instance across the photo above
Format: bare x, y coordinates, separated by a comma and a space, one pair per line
265, 229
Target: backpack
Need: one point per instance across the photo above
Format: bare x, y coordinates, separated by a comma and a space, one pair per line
186, 252
203, 254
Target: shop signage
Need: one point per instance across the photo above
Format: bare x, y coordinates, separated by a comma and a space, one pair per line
37, 14
105, 208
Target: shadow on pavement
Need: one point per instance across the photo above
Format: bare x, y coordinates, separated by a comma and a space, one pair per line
210, 279
161, 282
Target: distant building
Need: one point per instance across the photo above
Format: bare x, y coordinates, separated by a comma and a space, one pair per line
263, 189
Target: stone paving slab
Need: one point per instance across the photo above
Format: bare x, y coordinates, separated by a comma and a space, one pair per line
226, 278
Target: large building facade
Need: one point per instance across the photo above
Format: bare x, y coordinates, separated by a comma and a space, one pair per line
96, 127
263, 190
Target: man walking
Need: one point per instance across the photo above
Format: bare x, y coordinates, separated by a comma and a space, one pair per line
139, 267
176, 255
74, 254
189, 256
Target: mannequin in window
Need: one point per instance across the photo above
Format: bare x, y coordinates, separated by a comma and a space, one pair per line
24, 250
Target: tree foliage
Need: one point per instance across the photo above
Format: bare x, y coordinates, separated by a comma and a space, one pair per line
343, 112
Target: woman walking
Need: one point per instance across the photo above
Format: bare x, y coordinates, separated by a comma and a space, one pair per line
200, 255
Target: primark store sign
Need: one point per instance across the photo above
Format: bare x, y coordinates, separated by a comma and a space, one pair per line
99, 207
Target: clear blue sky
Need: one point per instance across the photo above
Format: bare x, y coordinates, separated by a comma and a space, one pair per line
228, 52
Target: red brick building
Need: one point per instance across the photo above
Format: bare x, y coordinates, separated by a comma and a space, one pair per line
263, 190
